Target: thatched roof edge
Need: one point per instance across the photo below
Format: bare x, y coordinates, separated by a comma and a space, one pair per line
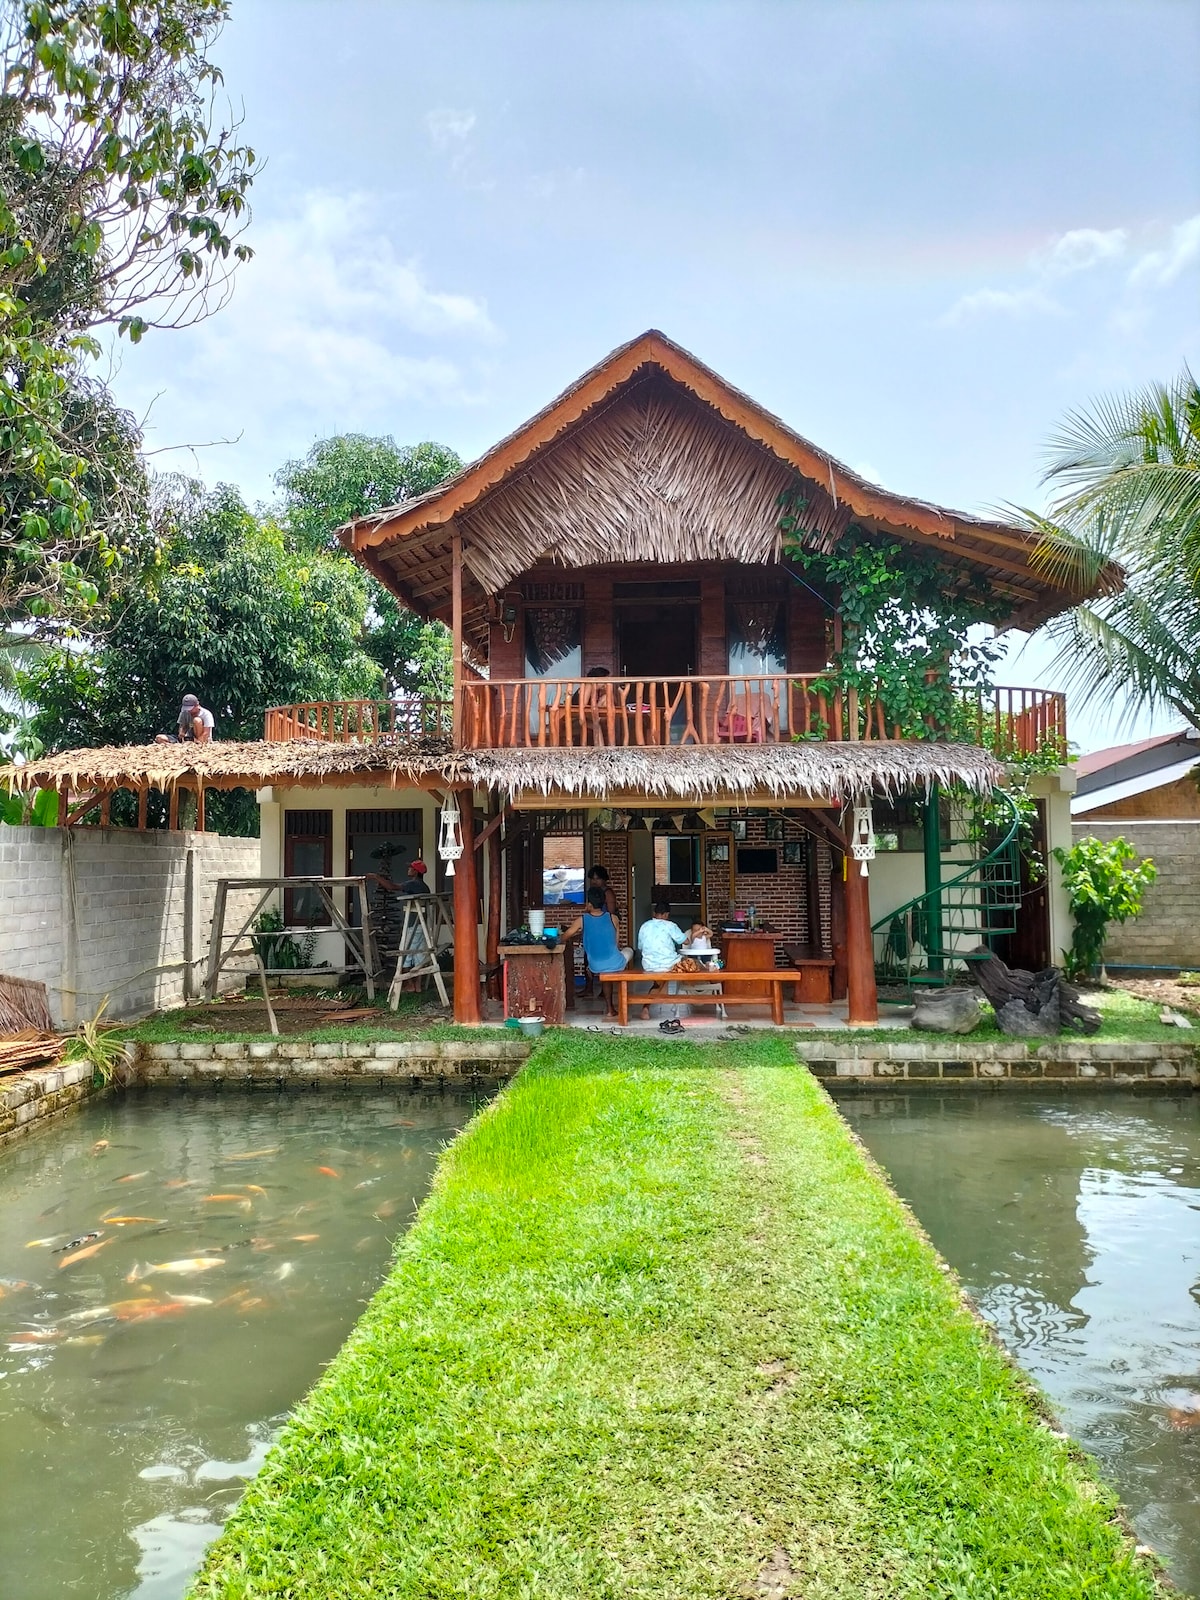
689, 772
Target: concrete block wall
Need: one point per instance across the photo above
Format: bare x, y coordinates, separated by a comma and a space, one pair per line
92, 912
1167, 933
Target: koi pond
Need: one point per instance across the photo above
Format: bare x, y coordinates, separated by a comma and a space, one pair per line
1074, 1223
175, 1269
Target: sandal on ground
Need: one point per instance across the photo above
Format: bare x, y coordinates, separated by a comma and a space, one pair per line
671, 1025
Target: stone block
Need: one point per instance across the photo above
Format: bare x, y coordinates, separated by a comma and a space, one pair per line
195, 1052
229, 1052
162, 1052
294, 1050
1164, 1069
908, 1052
993, 1069
1088, 1069
854, 1069
958, 1069
329, 1051
888, 1069
262, 1050
1059, 1068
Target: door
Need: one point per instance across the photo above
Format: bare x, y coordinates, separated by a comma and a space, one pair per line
657, 641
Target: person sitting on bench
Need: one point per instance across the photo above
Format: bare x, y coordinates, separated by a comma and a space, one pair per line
659, 940
601, 952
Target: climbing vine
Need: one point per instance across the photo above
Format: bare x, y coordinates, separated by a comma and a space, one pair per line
906, 621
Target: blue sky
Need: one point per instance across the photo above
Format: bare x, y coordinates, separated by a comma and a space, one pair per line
920, 232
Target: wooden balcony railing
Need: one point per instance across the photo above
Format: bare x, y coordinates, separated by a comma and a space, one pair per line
360, 721
565, 713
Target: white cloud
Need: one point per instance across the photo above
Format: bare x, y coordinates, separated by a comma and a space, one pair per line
1016, 303
449, 128
1157, 268
1082, 248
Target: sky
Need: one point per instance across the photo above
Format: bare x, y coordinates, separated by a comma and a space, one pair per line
921, 231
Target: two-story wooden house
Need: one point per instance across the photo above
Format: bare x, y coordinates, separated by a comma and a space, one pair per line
642, 681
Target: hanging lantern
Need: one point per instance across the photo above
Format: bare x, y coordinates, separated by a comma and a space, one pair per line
450, 846
862, 837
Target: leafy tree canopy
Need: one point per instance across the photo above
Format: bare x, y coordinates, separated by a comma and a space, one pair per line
223, 610
122, 190
346, 477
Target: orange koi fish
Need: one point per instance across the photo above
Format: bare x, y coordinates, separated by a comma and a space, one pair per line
180, 1183
304, 1238
100, 1146
253, 1188
329, 1172
132, 1177
34, 1336
234, 1199
124, 1222
1183, 1417
82, 1255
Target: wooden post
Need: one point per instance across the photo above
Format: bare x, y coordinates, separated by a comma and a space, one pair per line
862, 1003
495, 865
466, 913
143, 802
105, 804
64, 797
200, 808
173, 808
456, 636
837, 927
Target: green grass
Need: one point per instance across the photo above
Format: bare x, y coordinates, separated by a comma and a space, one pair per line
660, 1331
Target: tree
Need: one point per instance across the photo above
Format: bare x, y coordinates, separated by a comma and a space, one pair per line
122, 191
223, 609
1131, 472
349, 476
1105, 883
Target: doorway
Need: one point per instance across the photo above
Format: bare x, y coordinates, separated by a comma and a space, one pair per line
656, 640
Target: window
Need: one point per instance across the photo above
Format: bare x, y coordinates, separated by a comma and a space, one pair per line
307, 853
562, 870
553, 642
900, 824
757, 638
676, 859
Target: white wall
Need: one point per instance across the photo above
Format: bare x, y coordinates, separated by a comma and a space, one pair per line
1056, 789
95, 912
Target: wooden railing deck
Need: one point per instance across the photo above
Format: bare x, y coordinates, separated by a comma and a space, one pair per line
570, 713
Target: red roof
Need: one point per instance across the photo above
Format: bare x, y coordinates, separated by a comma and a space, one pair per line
1099, 759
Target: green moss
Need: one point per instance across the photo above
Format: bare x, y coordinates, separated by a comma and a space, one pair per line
659, 1331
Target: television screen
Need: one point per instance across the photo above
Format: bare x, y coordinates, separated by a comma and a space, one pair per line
757, 860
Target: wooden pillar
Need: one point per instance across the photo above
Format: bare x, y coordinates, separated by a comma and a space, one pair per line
199, 808
173, 808
837, 926
456, 634
495, 866
862, 1003
64, 796
143, 803
105, 805
466, 913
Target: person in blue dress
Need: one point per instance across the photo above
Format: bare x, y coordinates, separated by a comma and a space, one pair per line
602, 951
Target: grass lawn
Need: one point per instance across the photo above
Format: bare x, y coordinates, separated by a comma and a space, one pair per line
659, 1331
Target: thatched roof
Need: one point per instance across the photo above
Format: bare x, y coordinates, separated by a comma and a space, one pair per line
652, 456
738, 773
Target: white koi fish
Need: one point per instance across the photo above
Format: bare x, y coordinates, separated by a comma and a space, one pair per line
188, 1267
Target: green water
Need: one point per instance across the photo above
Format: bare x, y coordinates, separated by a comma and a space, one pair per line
1074, 1222
131, 1417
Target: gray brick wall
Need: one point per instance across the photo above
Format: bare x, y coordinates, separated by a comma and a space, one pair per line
1167, 934
104, 911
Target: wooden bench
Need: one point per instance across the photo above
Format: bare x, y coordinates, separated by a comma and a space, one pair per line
688, 983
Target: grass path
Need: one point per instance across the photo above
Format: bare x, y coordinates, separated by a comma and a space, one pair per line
659, 1331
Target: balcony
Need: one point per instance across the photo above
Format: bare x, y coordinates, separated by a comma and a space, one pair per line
572, 713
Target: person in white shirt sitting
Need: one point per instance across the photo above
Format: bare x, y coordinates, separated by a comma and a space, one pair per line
658, 943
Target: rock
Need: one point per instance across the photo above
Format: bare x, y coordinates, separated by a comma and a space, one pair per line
950, 1011
1015, 1018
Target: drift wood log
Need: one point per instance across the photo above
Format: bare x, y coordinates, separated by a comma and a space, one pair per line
1031, 1003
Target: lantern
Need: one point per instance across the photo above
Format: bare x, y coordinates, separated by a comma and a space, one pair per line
862, 837
450, 846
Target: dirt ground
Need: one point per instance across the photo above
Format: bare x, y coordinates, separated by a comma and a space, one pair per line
1163, 992
301, 1014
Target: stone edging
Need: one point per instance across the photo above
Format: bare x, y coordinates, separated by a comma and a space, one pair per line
34, 1097
949, 1059
423, 1060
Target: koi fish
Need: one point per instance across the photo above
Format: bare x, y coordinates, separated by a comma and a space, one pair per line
180, 1183
132, 1177
86, 1338
73, 1244
367, 1182
304, 1238
35, 1244
386, 1210
124, 1222
254, 1155
249, 1305
34, 1336
402, 1123
82, 1255
190, 1300
328, 1172
230, 1199
188, 1266
99, 1147
253, 1188
15, 1283
1183, 1417
285, 1270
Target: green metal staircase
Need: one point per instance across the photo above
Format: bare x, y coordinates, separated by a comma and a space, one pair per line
925, 941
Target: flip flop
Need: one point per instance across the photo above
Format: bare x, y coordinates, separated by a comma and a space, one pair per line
671, 1025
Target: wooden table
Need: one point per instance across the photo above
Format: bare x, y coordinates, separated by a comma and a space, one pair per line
750, 952
535, 980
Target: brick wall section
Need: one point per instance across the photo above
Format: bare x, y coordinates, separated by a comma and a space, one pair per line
1167, 934
1093, 1062
92, 912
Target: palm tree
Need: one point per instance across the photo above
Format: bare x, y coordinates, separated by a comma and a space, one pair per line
1128, 525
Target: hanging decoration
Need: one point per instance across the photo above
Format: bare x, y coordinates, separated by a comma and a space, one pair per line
450, 845
862, 836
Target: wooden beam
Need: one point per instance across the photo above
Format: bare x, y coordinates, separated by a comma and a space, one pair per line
200, 808
486, 833
63, 806
105, 808
143, 795
495, 907
466, 925
173, 808
81, 808
456, 636
862, 1003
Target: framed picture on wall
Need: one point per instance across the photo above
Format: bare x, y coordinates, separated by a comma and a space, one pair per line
793, 853
737, 828
718, 851
775, 830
